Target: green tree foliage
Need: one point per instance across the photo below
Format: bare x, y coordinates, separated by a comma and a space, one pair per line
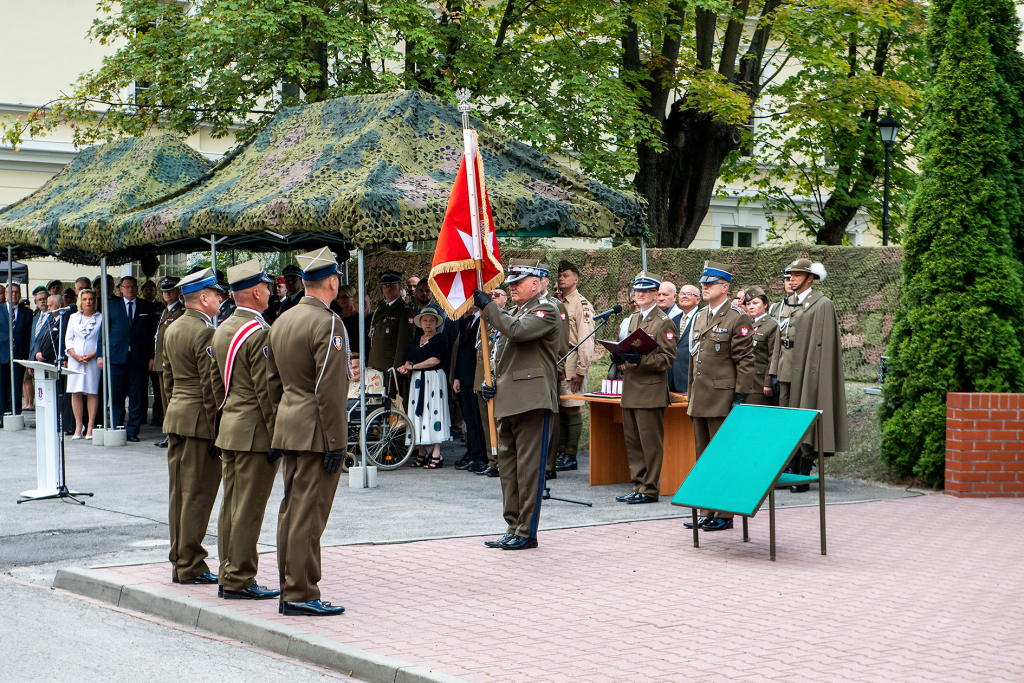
959, 326
653, 93
817, 156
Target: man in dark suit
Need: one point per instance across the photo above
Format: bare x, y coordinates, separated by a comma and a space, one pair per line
463, 384
678, 375
132, 323
15, 318
293, 289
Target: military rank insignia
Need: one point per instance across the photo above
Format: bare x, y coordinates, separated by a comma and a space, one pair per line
337, 343
539, 314
586, 314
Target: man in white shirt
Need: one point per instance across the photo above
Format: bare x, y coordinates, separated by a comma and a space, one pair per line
666, 298
689, 300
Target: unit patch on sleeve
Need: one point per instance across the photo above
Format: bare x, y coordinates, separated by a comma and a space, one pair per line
337, 343
744, 331
539, 314
670, 336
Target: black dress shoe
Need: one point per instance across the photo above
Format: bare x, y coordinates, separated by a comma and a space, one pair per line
628, 497
641, 498
161, 444
701, 521
174, 578
564, 463
477, 466
519, 543
314, 608
204, 578
800, 488
133, 439
253, 592
491, 472
220, 591
550, 475
500, 542
463, 463
718, 525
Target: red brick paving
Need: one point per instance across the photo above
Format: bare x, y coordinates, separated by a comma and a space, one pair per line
922, 589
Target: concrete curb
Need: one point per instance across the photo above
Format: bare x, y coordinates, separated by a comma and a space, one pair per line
285, 640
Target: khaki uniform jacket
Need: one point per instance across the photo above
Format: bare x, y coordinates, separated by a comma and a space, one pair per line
188, 377
479, 379
246, 422
525, 375
307, 375
766, 349
168, 316
814, 365
646, 385
721, 360
391, 332
579, 323
563, 333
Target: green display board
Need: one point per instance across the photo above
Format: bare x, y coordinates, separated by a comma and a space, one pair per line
733, 475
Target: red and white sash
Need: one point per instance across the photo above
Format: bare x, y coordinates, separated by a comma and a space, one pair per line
243, 333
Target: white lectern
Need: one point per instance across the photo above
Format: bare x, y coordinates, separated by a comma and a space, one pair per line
50, 481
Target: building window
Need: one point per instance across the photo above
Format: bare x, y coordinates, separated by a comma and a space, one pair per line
733, 237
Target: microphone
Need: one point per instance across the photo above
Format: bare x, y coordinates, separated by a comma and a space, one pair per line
610, 312
71, 308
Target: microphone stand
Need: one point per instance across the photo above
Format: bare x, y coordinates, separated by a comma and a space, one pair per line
547, 489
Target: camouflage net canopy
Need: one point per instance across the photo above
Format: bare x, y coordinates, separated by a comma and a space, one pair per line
863, 282
66, 216
375, 169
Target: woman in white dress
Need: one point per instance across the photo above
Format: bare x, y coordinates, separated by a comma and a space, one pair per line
428, 405
82, 340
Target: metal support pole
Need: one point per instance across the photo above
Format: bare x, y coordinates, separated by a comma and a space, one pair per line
362, 362
213, 263
10, 322
771, 520
821, 480
885, 198
108, 402
643, 253
746, 534
693, 519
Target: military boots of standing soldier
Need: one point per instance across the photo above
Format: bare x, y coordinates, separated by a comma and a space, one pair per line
565, 462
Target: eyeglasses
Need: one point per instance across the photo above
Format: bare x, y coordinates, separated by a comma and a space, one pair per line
687, 295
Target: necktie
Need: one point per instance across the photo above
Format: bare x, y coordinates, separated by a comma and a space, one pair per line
131, 312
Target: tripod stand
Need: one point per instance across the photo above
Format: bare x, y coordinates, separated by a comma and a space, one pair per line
62, 492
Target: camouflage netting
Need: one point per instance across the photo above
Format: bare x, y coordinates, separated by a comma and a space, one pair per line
103, 180
376, 169
864, 283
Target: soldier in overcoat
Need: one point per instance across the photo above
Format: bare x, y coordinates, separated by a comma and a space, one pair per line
391, 327
308, 373
645, 393
721, 367
245, 430
525, 394
192, 461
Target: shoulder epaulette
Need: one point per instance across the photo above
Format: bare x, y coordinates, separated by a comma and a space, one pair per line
737, 309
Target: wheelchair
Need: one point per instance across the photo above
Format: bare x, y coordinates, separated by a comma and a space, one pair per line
385, 435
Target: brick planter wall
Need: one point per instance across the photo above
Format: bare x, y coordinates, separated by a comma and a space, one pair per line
985, 445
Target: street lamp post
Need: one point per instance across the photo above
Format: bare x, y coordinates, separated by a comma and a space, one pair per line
887, 128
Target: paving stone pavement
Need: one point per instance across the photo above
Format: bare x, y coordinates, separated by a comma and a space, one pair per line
921, 589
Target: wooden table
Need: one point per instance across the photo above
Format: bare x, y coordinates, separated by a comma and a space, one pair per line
608, 462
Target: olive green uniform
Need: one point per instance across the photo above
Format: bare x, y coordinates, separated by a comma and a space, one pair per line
766, 348
563, 348
307, 375
168, 316
526, 397
644, 399
721, 365
244, 436
188, 423
391, 332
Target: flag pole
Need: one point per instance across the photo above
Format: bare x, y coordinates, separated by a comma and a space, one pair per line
469, 147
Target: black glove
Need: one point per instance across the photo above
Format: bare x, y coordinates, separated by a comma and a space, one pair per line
774, 385
632, 357
739, 399
617, 359
332, 460
212, 450
487, 391
481, 298
274, 455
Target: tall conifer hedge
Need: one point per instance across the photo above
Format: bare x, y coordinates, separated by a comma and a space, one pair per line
959, 325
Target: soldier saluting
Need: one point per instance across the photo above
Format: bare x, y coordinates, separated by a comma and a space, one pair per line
525, 396
245, 431
308, 374
192, 461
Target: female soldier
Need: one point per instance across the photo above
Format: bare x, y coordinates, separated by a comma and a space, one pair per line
766, 342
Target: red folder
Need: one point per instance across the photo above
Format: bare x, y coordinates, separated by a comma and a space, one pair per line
638, 342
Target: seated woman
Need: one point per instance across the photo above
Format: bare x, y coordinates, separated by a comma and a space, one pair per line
428, 405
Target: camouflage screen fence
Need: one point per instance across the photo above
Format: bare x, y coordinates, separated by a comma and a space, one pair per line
863, 282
